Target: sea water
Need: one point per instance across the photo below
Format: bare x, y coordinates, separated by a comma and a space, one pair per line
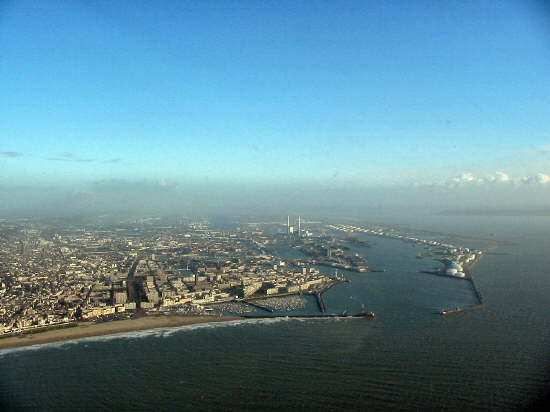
409, 357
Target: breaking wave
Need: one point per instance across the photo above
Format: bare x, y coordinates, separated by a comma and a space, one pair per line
156, 332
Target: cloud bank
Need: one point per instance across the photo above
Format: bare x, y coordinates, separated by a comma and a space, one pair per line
207, 197
498, 178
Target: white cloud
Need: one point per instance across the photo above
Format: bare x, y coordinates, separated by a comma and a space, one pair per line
498, 178
462, 179
543, 148
539, 178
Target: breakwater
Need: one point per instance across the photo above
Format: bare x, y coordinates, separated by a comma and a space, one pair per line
461, 309
442, 274
318, 293
363, 315
477, 293
476, 290
320, 301
468, 278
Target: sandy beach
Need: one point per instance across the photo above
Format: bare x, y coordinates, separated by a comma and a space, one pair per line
88, 329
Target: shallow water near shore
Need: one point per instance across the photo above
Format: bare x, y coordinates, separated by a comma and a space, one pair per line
408, 357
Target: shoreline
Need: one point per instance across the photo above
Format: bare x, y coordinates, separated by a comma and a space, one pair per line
87, 330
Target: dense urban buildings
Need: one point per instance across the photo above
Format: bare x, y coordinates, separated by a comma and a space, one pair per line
54, 273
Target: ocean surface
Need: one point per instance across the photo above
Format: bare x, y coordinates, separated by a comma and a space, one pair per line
408, 358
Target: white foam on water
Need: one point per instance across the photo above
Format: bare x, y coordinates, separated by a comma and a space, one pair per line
157, 332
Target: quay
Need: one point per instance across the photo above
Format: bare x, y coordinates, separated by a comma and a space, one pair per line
351, 268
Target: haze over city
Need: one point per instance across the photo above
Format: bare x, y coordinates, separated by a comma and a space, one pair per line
256, 205
254, 106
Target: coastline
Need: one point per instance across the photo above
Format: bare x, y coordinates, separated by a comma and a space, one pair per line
87, 329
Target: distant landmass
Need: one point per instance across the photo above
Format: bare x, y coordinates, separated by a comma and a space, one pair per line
496, 212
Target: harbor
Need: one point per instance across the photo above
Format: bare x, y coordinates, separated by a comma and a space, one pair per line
292, 302
457, 260
287, 305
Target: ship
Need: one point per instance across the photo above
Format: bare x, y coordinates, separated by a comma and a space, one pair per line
345, 314
362, 314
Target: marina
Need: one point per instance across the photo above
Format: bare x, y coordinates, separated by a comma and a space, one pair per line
284, 303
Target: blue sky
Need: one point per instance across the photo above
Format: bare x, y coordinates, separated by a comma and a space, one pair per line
330, 92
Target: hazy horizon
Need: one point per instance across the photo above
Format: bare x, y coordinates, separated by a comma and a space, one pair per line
163, 198
273, 108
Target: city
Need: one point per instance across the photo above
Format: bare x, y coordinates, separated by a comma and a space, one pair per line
54, 275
